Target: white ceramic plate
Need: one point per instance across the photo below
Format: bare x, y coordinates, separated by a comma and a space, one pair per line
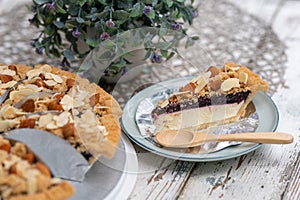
265, 107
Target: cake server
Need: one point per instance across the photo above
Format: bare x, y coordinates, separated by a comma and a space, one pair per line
61, 158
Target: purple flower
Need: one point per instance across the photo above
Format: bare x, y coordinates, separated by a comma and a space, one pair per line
50, 6
76, 33
176, 26
195, 13
156, 58
147, 10
39, 50
124, 70
110, 23
104, 36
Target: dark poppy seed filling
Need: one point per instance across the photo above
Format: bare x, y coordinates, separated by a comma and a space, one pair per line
186, 104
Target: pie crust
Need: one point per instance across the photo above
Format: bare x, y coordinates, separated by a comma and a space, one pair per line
60, 102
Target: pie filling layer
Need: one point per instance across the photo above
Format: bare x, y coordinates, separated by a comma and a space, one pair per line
198, 116
187, 104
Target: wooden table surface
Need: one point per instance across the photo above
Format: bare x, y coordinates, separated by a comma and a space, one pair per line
270, 172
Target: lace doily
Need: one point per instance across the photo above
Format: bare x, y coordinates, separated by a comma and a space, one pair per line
226, 33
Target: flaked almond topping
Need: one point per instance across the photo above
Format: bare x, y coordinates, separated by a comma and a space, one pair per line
94, 99
29, 157
164, 103
188, 87
28, 106
5, 78
215, 84
70, 82
62, 119
5, 125
45, 119
27, 123
17, 95
8, 84
214, 71
54, 105
48, 76
8, 112
33, 73
68, 130
42, 76
230, 83
50, 83
67, 102
243, 77
12, 67
57, 78
46, 68
5, 147
9, 72
201, 83
51, 125
40, 83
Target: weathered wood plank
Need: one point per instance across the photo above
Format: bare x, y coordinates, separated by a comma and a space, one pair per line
158, 177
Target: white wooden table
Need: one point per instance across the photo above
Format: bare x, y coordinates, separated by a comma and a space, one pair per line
270, 172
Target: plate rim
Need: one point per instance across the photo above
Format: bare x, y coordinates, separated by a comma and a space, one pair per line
185, 156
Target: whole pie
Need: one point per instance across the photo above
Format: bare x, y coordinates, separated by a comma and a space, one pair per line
24, 177
60, 102
217, 96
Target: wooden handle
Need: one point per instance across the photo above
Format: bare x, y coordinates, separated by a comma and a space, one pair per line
257, 137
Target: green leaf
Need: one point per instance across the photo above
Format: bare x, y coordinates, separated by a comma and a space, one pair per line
164, 53
171, 55
103, 2
59, 9
74, 9
137, 10
82, 2
69, 55
181, 1
55, 52
154, 2
151, 15
92, 42
147, 1
58, 24
40, 2
169, 3
121, 14
80, 20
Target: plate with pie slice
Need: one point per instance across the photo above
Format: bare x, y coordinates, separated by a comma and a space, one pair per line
175, 104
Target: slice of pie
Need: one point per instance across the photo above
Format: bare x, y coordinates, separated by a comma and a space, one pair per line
216, 96
60, 102
24, 177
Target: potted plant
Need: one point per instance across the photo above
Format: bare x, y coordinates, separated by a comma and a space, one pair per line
68, 24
